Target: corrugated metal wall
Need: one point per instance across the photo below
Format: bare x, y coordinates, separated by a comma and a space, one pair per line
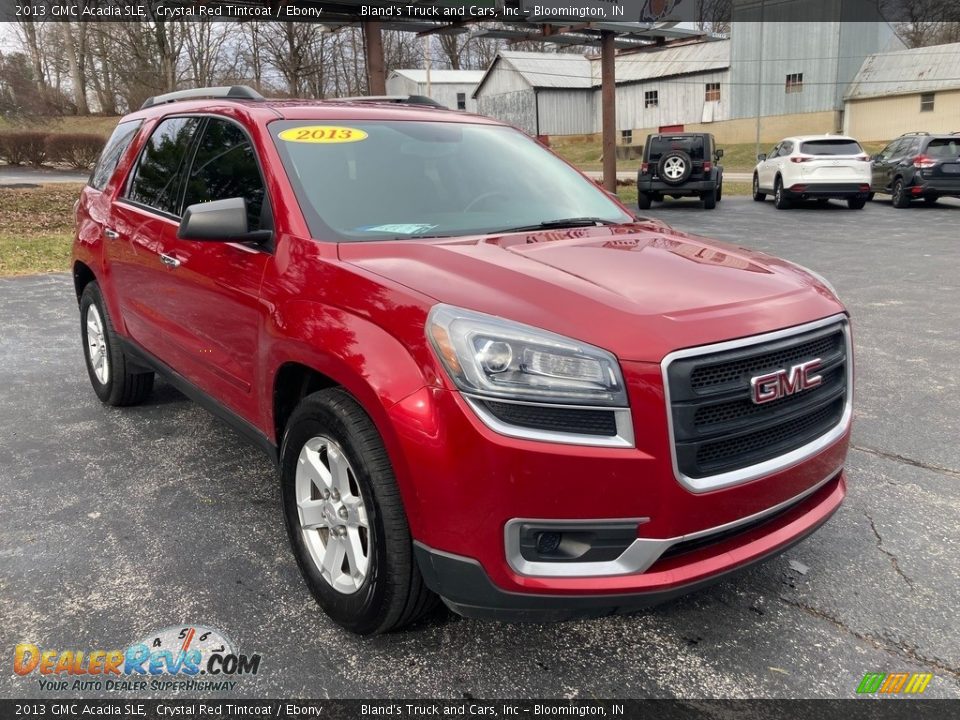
516, 108
787, 48
681, 100
568, 112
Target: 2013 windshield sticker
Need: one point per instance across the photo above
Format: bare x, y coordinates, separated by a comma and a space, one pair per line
323, 134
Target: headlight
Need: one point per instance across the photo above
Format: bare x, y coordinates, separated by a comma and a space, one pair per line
490, 356
820, 278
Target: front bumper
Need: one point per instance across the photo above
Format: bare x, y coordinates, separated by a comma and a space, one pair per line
464, 484
468, 590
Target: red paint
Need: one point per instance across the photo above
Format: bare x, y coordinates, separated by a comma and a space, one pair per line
230, 318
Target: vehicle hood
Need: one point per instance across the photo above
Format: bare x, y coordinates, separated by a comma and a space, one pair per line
640, 290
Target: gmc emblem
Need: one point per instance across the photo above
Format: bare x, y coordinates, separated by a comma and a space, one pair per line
783, 383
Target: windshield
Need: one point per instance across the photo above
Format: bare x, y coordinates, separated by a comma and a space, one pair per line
831, 147
382, 180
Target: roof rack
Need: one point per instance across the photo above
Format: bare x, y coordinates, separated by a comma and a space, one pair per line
917, 133
222, 92
397, 99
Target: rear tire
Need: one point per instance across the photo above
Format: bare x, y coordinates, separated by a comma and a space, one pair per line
780, 201
757, 195
354, 549
643, 201
720, 192
709, 200
856, 203
112, 374
930, 200
870, 196
899, 196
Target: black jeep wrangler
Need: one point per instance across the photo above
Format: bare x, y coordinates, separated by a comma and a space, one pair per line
680, 165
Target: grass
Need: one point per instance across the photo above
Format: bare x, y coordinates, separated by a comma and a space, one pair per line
36, 228
585, 154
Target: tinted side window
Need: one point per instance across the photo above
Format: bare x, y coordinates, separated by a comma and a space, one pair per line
110, 156
225, 166
156, 180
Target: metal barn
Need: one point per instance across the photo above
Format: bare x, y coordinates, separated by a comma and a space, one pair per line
452, 88
559, 93
908, 91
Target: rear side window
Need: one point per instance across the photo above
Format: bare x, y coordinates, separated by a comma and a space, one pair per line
831, 147
225, 166
156, 180
692, 146
944, 148
112, 152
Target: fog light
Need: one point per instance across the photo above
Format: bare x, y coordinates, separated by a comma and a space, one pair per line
548, 542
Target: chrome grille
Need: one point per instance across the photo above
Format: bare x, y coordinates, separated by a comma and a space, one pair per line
716, 426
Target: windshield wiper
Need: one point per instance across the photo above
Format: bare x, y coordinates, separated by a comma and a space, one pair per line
559, 223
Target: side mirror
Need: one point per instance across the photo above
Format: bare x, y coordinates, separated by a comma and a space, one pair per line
761, 157
219, 221
719, 153
875, 157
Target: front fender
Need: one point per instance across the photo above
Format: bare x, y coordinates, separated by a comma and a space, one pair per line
372, 365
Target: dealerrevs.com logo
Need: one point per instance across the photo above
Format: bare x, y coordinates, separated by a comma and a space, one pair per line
187, 658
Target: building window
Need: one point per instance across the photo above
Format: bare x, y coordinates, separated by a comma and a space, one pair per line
794, 83
461, 101
926, 102
713, 92
626, 137
651, 98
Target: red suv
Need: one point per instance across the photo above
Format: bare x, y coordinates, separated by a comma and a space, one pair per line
482, 378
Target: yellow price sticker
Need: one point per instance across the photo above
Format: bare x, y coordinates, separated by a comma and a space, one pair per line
323, 134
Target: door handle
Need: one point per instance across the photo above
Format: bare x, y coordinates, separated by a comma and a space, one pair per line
111, 234
169, 261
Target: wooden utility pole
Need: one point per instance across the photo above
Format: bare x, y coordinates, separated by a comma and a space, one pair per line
608, 101
376, 75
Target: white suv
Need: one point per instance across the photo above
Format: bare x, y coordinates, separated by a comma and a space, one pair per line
813, 166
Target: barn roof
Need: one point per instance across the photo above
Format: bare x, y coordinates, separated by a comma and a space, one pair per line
668, 62
907, 72
462, 77
572, 70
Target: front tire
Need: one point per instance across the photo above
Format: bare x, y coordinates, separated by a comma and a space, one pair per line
345, 518
115, 380
757, 195
780, 201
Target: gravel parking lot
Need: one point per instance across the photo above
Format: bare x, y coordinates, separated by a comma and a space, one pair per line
114, 522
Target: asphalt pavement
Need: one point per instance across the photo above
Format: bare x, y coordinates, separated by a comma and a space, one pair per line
118, 522
28, 176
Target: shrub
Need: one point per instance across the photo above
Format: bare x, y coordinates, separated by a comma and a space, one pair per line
11, 151
33, 145
78, 150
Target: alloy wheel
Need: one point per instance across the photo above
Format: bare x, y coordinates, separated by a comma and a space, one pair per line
334, 520
674, 168
97, 345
